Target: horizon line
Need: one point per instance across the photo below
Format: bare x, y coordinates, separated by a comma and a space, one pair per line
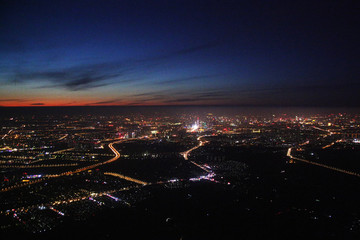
217, 105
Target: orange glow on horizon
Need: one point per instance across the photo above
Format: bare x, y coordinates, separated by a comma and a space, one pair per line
66, 103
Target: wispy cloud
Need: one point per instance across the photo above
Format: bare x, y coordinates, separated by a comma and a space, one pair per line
75, 78
181, 52
152, 93
195, 99
187, 79
196, 96
106, 102
152, 98
88, 76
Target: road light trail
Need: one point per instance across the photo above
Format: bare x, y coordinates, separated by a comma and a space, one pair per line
320, 129
126, 178
321, 165
40, 166
186, 154
64, 150
7, 134
63, 137
332, 144
117, 156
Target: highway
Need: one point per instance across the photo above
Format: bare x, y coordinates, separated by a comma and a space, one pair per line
324, 130
111, 146
186, 153
40, 166
63, 137
321, 165
64, 150
6, 134
332, 144
126, 178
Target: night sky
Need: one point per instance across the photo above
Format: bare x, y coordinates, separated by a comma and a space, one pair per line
248, 53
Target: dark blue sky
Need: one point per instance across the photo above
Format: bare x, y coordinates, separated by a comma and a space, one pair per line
276, 53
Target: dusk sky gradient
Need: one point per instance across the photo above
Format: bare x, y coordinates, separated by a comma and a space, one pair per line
252, 53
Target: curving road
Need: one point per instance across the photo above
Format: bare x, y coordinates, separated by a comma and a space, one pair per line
321, 165
186, 154
111, 146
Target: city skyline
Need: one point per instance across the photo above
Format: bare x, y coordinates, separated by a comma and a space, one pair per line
179, 119
189, 173
132, 53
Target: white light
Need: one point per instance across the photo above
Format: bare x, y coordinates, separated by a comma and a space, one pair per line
194, 127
